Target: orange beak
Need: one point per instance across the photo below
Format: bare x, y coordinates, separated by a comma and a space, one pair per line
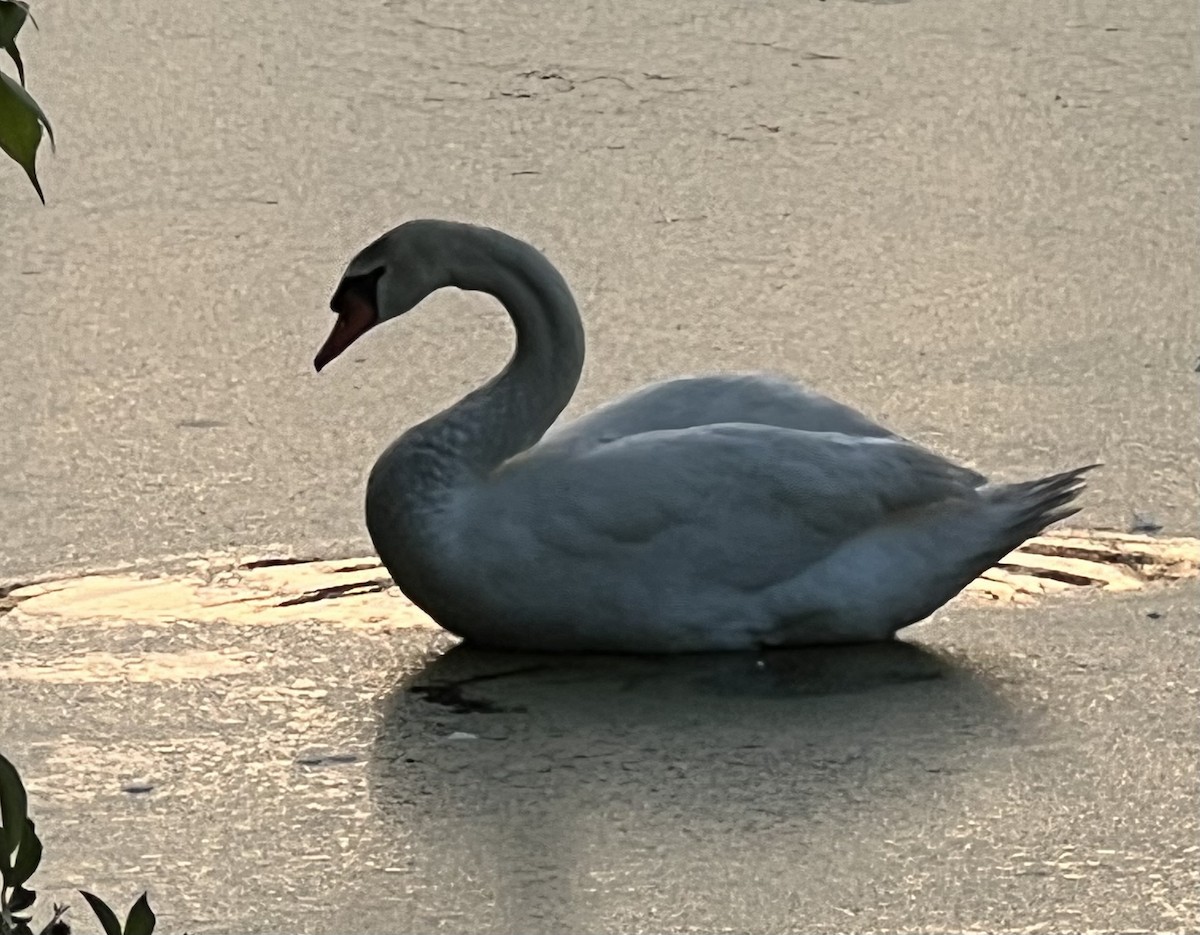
355, 317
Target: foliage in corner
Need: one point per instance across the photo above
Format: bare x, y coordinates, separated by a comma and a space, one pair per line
20, 854
21, 119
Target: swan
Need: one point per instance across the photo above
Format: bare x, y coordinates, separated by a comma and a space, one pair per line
723, 512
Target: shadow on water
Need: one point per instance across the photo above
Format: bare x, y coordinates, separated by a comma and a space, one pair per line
548, 785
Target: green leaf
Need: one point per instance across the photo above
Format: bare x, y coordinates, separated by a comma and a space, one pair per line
29, 855
15, 54
21, 122
13, 14
13, 802
141, 919
6, 853
21, 899
108, 919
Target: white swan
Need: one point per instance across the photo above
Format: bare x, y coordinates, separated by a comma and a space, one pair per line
708, 513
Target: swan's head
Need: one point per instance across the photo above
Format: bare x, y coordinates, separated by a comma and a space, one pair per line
386, 279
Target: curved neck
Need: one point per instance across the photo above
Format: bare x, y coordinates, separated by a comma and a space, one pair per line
512, 411
417, 480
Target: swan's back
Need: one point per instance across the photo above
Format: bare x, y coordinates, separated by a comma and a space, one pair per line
757, 399
746, 398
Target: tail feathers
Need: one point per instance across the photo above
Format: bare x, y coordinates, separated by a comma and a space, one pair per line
1021, 512
900, 573
1038, 504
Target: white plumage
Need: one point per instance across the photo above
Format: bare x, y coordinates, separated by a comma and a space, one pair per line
708, 513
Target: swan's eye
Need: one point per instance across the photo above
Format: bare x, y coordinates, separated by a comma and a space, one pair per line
362, 288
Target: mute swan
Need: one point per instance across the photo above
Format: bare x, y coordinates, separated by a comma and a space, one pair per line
707, 513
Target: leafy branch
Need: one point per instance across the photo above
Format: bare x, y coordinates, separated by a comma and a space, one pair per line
20, 854
21, 118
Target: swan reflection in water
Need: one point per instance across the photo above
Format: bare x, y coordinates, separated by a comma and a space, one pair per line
539, 792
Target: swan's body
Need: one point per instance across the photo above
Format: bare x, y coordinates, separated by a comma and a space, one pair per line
709, 513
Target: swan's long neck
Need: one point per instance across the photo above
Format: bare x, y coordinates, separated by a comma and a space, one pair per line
510, 413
